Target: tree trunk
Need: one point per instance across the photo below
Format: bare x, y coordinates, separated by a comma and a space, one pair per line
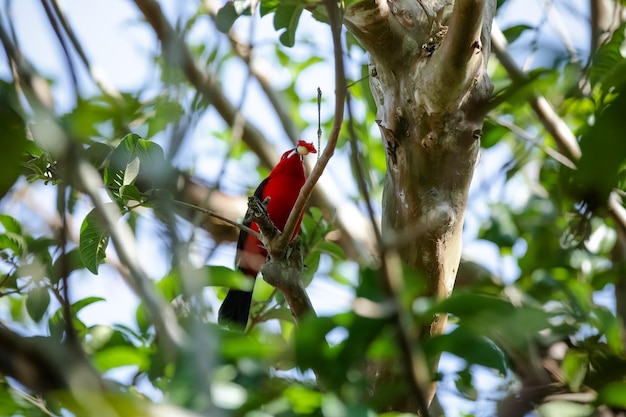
428, 77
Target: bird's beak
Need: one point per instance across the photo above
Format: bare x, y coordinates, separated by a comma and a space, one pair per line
305, 148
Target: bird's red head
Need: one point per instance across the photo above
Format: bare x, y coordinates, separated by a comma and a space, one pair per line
305, 148
302, 148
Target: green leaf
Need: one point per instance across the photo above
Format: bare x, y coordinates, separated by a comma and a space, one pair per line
332, 249
500, 228
574, 368
13, 242
221, 276
56, 323
287, 17
80, 304
234, 345
612, 395
514, 32
603, 155
565, 408
605, 321
608, 64
302, 399
94, 239
268, 6
495, 318
65, 266
169, 285
463, 383
97, 154
362, 331
131, 172
166, 112
229, 13
492, 133
130, 193
37, 302
12, 137
10, 224
136, 160
117, 356
310, 343
469, 345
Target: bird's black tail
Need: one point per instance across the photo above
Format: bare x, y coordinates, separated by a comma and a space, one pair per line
235, 309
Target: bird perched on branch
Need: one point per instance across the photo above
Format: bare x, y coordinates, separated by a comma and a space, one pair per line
282, 187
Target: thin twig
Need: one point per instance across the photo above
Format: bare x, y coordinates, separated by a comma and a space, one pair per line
340, 97
222, 218
319, 122
62, 42
102, 85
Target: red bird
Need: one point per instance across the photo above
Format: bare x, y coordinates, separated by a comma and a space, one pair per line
282, 186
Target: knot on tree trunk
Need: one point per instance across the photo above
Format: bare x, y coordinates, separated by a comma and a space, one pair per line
285, 272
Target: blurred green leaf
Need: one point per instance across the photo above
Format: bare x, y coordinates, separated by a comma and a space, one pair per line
13, 242
222, 276
97, 154
608, 69
500, 228
10, 224
564, 408
512, 33
228, 14
612, 395
117, 356
94, 239
302, 399
603, 155
12, 137
467, 344
574, 368
57, 324
37, 302
166, 112
235, 345
464, 385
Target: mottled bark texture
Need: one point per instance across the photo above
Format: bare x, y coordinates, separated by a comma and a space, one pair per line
429, 79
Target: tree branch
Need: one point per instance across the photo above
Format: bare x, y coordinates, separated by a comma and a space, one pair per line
456, 63
606, 16
566, 141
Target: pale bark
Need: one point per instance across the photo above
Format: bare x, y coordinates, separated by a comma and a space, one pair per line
428, 77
